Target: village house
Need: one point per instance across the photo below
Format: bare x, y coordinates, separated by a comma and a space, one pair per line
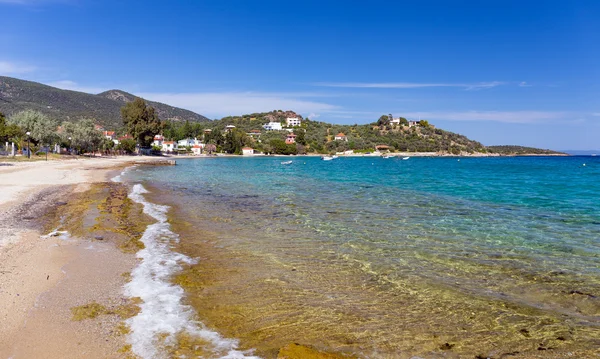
293, 121
340, 137
290, 139
158, 140
197, 149
247, 151
186, 142
413, 123
254, 133
273, 126
229, 128
110, 135
169, 146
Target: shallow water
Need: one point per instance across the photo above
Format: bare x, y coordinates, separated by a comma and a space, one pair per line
375, 257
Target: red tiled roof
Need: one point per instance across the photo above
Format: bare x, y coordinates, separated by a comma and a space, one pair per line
340, 135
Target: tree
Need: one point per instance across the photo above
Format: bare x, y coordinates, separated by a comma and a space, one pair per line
81, 136
384, 120
9, 131
235, 140
141, 121
41, 127
424, 123
127, 145
301, 137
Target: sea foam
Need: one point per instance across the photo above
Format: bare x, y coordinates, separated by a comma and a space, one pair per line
163, 316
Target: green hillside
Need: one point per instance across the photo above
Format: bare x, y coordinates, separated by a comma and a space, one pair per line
64, 105
320, 136
521, 150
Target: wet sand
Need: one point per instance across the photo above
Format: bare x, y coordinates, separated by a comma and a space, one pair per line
42, 278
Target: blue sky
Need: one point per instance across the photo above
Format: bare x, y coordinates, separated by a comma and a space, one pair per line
500, 72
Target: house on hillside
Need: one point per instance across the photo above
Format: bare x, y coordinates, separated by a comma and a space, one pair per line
340, 137
254, 133
273, 126
247, 151
293, 121
413, 123
229, 128
383, 148
290, 139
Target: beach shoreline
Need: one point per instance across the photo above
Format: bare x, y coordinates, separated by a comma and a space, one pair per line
43, 277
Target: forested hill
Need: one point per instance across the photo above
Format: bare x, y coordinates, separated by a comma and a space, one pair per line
320, 136
64, 105
521, 150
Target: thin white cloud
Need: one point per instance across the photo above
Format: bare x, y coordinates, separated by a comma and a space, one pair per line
597, 114
524, 84
74, 86
522, 117
11, 68
217, 104
408, 85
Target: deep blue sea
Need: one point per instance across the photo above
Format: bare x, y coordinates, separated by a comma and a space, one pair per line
373, 257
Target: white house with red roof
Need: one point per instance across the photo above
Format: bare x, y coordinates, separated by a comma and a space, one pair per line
169, 146
340, 137
247, 151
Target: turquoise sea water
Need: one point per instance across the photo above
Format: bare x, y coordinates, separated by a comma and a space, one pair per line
426, 256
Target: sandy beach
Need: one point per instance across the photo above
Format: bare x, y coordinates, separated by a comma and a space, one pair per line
42, 278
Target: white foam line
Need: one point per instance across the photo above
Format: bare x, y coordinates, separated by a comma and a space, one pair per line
163, 315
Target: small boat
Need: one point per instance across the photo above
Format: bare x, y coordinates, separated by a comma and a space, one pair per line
387, 156
334, 156
286, 162
405, 158
327, 158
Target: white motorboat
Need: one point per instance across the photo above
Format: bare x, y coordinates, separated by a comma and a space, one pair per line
327, 158
405, 158
286, 162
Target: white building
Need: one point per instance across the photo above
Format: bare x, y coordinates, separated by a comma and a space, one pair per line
273, 126
169, 146
158, 140
186, 142
198, 149
293, 121
340, 137
246, 151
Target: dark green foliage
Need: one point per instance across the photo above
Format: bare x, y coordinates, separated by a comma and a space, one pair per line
384, 120
141, 121
235, 140
9, 132
520, 150
281, 148
127, 145
63, 105
175, 131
